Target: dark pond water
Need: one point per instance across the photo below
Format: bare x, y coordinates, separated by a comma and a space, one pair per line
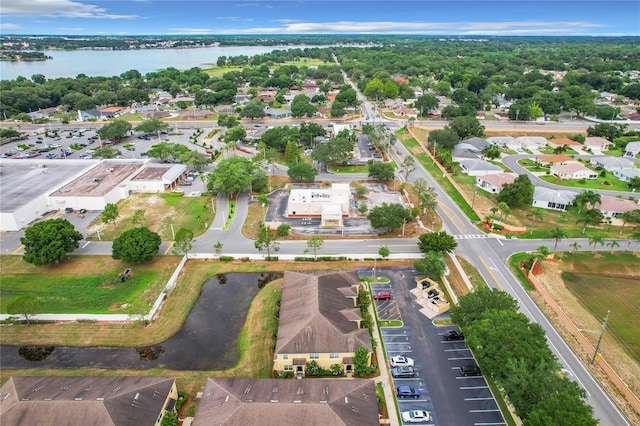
206, 342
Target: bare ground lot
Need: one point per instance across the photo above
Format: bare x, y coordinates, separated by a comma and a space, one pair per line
610, 284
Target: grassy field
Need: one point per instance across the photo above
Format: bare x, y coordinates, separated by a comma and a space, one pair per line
166, 210
301, 63
68, 288
609, 182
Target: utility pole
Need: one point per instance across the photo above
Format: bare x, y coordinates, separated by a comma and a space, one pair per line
604, 326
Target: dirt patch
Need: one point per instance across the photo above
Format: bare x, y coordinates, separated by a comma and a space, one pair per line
624, 365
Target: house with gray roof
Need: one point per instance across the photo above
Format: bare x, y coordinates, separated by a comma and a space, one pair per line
465, 154
312, 402
104, 401
320, 320
611, 163
626, 174
632, 149
474, 144
552, 199
475, 167
277, 113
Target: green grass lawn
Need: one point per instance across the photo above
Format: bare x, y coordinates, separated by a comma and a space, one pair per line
612, 183
591, 284
532, 166
63, 289
348, 169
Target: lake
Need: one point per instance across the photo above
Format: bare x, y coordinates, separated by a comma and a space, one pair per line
109, 63
207, 341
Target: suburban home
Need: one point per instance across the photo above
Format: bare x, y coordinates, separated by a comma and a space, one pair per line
556, 159
493, 183
197, 114
465, 154
626, 174
155, 114
476, 167
242, 99
312, 402
474, 144
90, 114
632, 149
403, 111
532, 142
611, 163
552, 199
44, 113
563, 142
505, 142
613, 207
224, 109
573, 171
320, 320
111, 112
106, 400
277, 113
597, 143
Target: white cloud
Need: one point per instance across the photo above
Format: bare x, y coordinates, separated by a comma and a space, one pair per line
9, 26
234, 18
58, 9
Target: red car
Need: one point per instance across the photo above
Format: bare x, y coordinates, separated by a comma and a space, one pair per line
382, 295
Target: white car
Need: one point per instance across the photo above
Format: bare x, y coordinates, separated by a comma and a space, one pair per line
401, 360
416, 416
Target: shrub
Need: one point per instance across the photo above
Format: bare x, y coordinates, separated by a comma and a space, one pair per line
226, 258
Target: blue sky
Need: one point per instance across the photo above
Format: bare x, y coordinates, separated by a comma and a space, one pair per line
475, 17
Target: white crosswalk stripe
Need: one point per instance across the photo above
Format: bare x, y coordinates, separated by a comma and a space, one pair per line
472, 236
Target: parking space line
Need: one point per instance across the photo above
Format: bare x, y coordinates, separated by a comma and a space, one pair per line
484, 410
489, 423
474, 387
86, 244
479, 399
458, 358
454, 350
467, 377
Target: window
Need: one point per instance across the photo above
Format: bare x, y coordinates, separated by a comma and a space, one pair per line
334, 356
314, 356
288, 368
285, 356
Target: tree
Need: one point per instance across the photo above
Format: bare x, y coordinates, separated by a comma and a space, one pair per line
302, 171
535, 215
361, 361
266, 241
235, 134
381, 171
595, 240
338, 150
557, 234
612, 245
232, 175
314, 244
136, 245
183, 241
170, 418
587, 198
575, 247
590, 217
630, 216
218, 248
138, 217
110, 214
389, 216
228, 121
432, 265
292, 153
539, 255
445, 138
426, 103
505, 211
492, 152
384, 252
253, 111
26, 306
440, 242
466, 127
117, 130
49, 241
408, 166
374, 89
427, 196
154, 125
517, 194
472, 306
106, 152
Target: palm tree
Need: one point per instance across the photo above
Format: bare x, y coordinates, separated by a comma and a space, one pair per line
613, 244
635, 236
587, 197
590, 217
535, 214
629, 216
595, 241
558, 235
575, 246
494, 211
539, 255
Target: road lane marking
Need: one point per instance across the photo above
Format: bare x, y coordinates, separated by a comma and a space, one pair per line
169, 248
86, 244
18, 249
498, 240
491, 273
452, 215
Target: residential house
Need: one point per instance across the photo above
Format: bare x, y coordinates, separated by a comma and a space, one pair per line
556, 159
597, 143
493, 183
320, 320
563, 142
573, 171
465, 154
611, 163
111, 112
476, 167
312, 402
613, 207
242, 99
155, 114
632, 149
277, 113
532, 142
552, 199
403, 111
43, 113
90, 114
474, 144
626, 174
79, 400
224, 109
197, 114
505, 142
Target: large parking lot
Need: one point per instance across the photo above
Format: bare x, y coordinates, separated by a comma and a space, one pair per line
451, 397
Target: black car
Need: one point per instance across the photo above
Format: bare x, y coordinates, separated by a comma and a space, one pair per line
453, 335
470, 370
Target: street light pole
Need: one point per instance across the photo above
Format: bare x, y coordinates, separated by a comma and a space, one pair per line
604, 326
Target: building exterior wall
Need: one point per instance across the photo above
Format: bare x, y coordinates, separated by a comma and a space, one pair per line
284, 362
24, 215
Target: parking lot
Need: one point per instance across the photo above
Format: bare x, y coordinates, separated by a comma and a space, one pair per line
450, 397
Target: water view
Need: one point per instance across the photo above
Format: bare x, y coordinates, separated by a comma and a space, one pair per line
207, 341
108, 63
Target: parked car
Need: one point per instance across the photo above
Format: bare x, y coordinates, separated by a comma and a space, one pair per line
470, 370
416, 416
382, 295
68, 210
453, 335
407, 392
403, 371
399, 360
